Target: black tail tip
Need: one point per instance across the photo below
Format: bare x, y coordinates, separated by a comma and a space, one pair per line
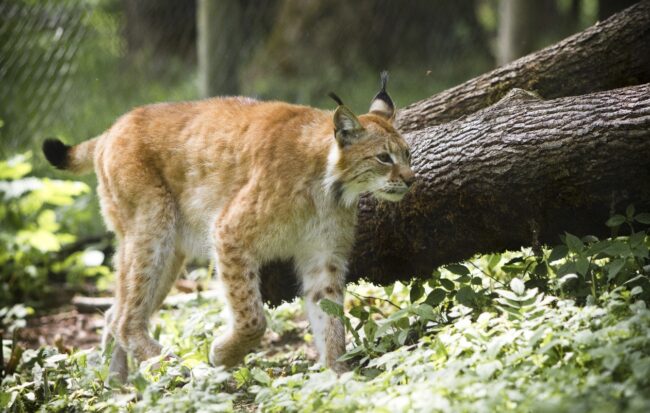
56, 152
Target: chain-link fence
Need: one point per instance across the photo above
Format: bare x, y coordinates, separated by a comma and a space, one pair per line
38, 45
70, 67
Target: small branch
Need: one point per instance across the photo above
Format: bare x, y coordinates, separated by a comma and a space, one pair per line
367, 297
82, 243
485, 273
102, 304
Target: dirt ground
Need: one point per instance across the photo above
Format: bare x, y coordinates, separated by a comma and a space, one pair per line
70, 329
65, 330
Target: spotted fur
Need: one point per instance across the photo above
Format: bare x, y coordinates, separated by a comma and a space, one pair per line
244, 182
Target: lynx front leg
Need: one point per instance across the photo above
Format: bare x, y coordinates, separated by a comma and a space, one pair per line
240, 281
326, 281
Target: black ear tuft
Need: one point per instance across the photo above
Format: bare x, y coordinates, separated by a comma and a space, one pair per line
336, 98
382, 104
56, 152
384, 79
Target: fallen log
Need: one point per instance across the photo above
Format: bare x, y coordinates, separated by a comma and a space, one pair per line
521, 171
611, 54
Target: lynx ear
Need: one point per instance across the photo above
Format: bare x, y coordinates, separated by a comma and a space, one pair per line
382, 105
347, 127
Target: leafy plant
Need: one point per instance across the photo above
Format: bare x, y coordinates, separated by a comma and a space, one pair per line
500, 332
32, 238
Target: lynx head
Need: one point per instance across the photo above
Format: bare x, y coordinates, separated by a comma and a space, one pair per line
369, 155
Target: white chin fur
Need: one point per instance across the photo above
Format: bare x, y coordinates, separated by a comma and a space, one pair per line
393, 197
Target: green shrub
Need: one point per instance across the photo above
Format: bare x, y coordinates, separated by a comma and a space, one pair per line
39, 217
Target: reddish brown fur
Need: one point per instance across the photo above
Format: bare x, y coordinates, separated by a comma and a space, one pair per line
246, 182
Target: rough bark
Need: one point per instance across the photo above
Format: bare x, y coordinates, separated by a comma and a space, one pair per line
521, 171
611, 54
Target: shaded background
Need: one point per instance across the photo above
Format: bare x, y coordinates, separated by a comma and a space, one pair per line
68, 67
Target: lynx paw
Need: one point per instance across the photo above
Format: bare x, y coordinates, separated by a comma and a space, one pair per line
226, 353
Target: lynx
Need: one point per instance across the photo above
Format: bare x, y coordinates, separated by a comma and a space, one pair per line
243, 182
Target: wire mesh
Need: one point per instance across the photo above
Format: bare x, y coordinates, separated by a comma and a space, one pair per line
38, 44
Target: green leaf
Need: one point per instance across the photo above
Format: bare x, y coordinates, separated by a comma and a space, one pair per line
353, 353
637, 238
359, 312
477, 281
541, 269
242, 376
261, 376
629, 211
598, 247
643, 218
582, 266
558, 253
447, 284
614, 268
331, 308
617, 249
615, 220
140, 383
510, 311
458, 269
517, 286
425, 311
370, 329
641, 251
435, 297
573, 242
514, 260
16, 167
494, 260
466, 296
636, 290
416, 292
463, 279
568, 277
402, 336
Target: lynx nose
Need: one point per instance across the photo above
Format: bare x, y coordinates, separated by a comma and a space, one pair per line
408, 177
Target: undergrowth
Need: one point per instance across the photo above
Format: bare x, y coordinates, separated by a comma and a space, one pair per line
563, 329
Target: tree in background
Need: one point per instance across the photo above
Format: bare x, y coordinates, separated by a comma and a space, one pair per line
228, 32
608, 7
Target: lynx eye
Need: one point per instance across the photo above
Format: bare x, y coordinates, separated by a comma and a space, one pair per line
385, 158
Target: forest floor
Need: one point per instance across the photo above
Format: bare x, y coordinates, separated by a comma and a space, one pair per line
545, 354
66, 328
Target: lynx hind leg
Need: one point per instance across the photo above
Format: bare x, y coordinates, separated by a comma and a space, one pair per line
150, 266
325, 281
240, 282
118, 368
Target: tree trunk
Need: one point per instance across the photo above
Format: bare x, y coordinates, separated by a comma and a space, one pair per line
220, 39
608, 7
228, 32
165, 27
611, 54
520, 172
516, 29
